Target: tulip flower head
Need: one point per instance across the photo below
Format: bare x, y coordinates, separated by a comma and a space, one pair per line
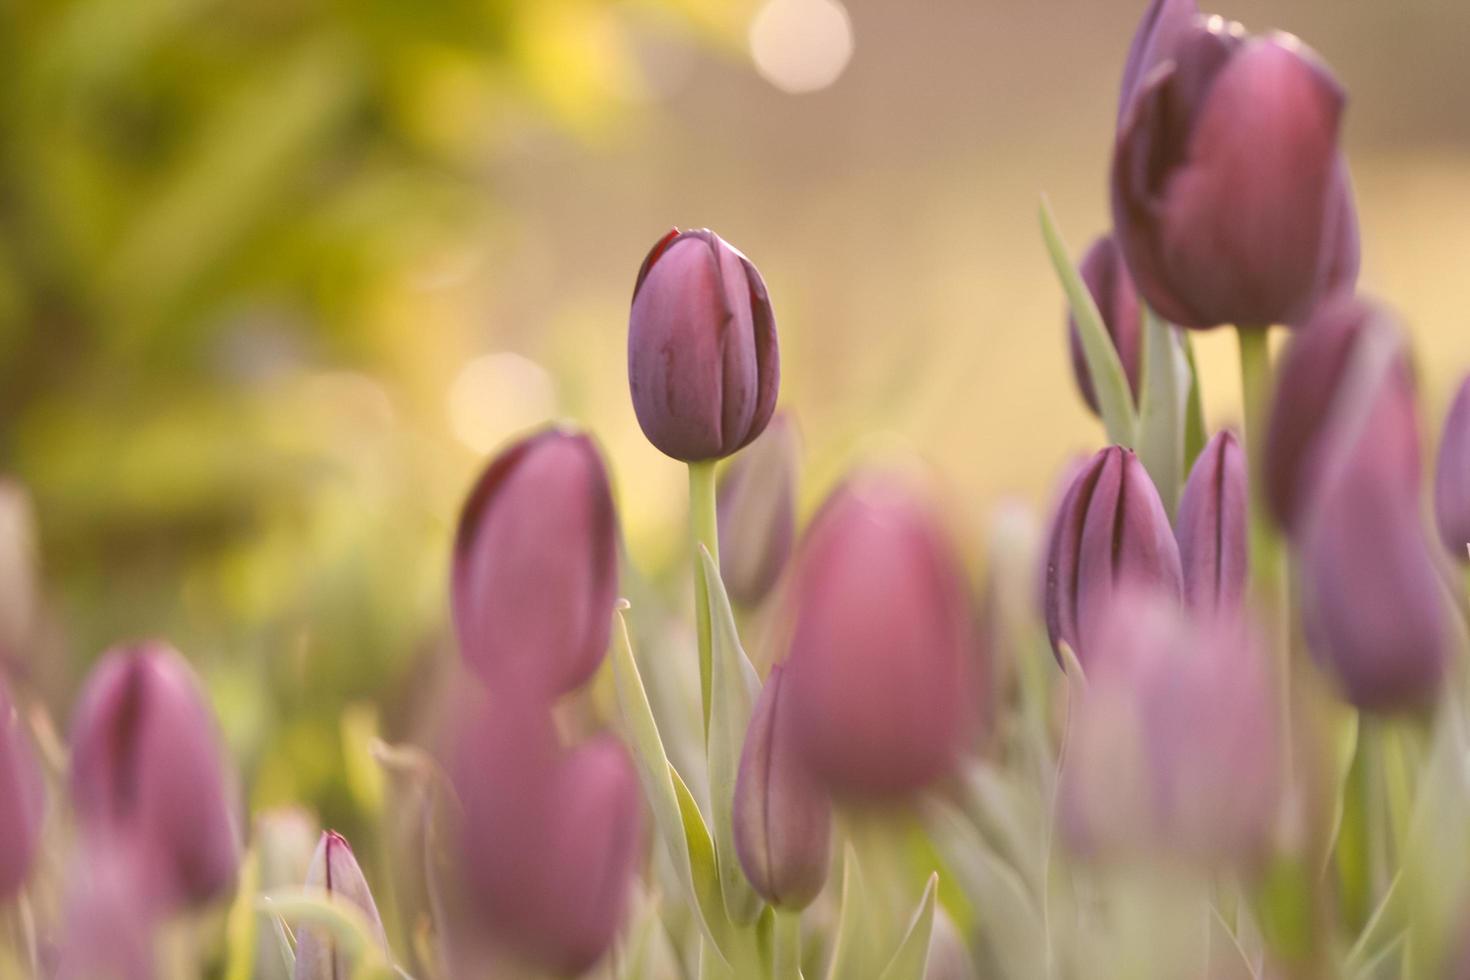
703, 362
1212, 527
1452, 477
1162, 26
335, 871
1107, 280
22, 800
757, 514
535, 569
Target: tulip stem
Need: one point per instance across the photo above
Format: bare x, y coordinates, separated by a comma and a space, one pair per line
786, 945
703, 530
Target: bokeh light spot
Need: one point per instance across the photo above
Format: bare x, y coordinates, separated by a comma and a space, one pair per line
801, 45
497, 395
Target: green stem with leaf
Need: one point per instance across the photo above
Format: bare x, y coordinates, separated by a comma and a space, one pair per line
703, 530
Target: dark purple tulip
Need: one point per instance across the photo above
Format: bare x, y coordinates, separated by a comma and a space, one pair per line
147, 771
1229, 193
22, 800
783, 819
536, 566
1173, 746
334, 870
1373, 604
1107, 280
1162, 26
703, 363
1212, 527
1452, 477
1110, 531
757, 514
879, 674
1313, 375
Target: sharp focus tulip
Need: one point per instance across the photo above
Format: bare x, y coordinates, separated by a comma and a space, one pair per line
536, 566
147, 771
550, 840
757, 514
1173, 748
1314, 388
22, 800
879, 674
1373, 605
703, 362
334, 870
1212, 527
1452, 477
1230, 198
1164, 23
783, 819
1110, 531
1107, 279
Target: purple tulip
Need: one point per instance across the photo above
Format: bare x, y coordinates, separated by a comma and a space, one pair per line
1110, 531
1212, 527
783, 819
536, 566
1164, 23
1452, 477
147, 772
335, 871
1107, 280
879, 677
757, 514
1312, 392
1172, 750
22, 800
703, 362
1230, 198
110, 917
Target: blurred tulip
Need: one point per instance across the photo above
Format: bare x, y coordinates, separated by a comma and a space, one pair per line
22, 800
148, 773
1452, 477
1110, 531
1230, 198
1212, 527
1173, 747
757, 513
18, 589
110, 921
1107, 280
536, 566
1164, 23
550, 840
1313, 391
703, 362
879, 673
334, 870
783, 819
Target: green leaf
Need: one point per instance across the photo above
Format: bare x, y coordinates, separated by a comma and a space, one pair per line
733, 689
241, 922
850, 955
1161, 421
1114, 398
348, 927
1195, 435
912, 957
1072, 666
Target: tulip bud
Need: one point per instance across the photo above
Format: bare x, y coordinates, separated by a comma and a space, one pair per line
1164, 23
783, 820
109, 919
879, 673
1173, 746
1107, 280
536, 566
757, 514
1229, 195
1314, 386
147, 772
22, 800
1111, 530
335, 871
703, 362
1212, 527
1452, 477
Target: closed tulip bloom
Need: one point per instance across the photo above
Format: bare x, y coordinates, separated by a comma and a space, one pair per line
535, 569
1107, 280
757, 514
1230, 199
335, 871
879, 677
148, 772
1312, 391
22, 800
1164, 23
1452, 477
703, 362
1212, 527
1110, 531
783, 819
